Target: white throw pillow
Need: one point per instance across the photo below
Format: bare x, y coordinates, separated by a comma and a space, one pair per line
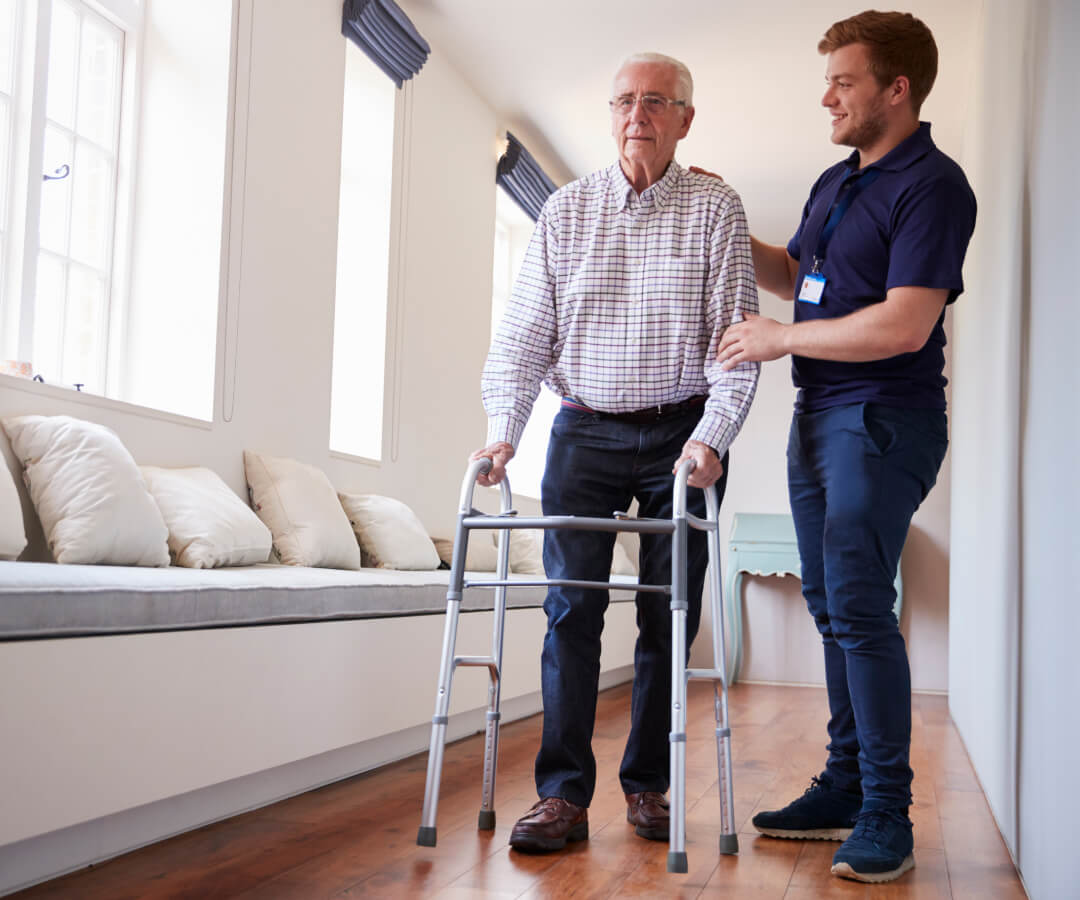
208, 524
300, 507
482, 554
526, 552
621, 563
88, 493
389, 533
12, 532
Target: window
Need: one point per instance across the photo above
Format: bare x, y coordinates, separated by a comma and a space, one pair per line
103, 286
78, 196
363, 261
63, 117
513, 229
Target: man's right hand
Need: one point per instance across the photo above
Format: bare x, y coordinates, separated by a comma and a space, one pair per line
500, 453
701, 171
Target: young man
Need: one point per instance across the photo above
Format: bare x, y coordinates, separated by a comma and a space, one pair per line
632, 274
876, 259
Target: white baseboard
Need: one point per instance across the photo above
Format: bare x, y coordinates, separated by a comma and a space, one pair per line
47, 856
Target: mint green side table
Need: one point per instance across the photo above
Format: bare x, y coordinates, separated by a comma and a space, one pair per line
764, 544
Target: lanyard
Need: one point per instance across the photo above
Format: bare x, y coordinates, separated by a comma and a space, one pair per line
848, 192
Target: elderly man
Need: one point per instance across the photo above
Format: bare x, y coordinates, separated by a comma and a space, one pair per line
632, 275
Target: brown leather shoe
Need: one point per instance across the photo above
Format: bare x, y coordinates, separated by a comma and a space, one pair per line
549, 824
648, 813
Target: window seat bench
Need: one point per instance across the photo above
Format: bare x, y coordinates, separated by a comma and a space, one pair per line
138, 703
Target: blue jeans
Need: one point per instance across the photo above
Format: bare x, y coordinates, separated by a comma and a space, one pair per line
856, 475
596, 466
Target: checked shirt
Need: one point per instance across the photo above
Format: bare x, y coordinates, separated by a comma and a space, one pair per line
621, 301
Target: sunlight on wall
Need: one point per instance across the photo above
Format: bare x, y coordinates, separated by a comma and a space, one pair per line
367, 162
168, 360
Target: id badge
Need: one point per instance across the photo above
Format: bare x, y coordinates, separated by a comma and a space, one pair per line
813, 285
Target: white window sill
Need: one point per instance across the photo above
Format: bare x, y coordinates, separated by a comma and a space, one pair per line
353, 458
59, 392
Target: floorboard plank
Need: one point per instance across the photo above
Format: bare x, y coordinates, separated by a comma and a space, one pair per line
357, 838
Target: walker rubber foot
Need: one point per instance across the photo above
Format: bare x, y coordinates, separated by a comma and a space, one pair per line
729, 844
486, 821
676, 862
425, 837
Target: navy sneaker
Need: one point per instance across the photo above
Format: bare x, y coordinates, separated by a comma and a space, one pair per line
822, 813
879, 849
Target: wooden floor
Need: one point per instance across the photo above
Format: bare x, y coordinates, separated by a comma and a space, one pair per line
357, 838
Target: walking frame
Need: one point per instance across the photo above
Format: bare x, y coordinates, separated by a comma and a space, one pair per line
507, 519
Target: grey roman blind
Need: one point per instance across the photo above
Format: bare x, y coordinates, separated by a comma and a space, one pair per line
384, 32
522, 178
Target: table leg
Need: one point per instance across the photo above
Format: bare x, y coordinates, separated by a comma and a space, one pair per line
733, 601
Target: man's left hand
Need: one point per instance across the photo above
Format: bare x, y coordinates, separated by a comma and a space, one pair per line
708, 466
755, 339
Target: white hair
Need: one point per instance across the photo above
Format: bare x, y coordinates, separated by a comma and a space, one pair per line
682, 74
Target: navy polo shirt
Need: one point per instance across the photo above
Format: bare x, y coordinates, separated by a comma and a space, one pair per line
908, 228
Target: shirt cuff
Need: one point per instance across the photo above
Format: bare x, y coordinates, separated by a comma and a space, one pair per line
716, 431
504, 427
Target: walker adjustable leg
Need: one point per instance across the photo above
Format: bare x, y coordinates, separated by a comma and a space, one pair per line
426, 836
486, 819
729, 840
677, 861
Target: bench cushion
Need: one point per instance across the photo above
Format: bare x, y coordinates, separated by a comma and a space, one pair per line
47, 600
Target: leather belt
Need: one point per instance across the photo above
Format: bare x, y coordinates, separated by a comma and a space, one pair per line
645, 416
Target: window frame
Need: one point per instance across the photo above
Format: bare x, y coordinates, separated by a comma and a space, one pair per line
18, 293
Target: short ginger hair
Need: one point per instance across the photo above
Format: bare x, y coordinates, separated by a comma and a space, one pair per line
897, 43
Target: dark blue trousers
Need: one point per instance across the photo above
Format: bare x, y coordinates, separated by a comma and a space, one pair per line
856, 475
596, 466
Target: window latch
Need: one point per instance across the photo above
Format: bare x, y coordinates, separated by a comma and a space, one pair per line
58, 174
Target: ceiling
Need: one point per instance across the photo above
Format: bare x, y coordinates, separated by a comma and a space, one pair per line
546, 69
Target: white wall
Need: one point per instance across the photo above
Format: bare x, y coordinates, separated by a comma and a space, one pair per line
983, 652
1014, 598
1049, 781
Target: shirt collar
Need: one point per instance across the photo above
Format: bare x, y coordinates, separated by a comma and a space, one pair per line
906, 153
661, 191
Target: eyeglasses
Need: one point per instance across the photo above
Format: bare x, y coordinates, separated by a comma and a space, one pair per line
653, 104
